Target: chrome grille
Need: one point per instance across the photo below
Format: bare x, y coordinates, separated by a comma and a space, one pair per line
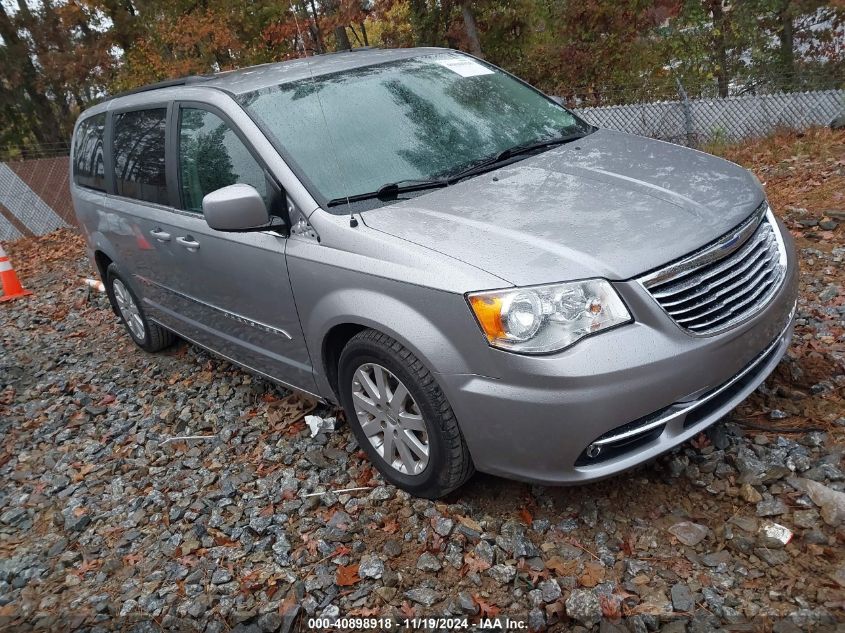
726, 282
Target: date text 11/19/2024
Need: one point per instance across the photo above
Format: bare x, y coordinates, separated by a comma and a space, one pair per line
422, 623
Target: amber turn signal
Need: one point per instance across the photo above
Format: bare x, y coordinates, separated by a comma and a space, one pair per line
488, 311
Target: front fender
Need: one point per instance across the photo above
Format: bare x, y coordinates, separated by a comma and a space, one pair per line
433, 324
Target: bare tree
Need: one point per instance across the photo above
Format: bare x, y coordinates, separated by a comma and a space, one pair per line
471, 30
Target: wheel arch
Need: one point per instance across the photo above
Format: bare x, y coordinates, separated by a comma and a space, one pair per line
429, 344
102, 261
339, 334
333, 343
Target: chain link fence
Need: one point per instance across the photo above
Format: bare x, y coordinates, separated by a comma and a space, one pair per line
698, 113
35, 199
696, 122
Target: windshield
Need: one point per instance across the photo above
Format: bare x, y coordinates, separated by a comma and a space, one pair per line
412, 119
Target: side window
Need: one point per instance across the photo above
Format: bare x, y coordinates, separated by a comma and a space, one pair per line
139, 155
212, 156
89, 170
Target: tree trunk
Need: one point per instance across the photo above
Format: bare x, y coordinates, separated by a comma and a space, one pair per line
316, 31
719, 43
787, 50
421, 24
122, 14
471, 30
342, 38
42, 117
364, 34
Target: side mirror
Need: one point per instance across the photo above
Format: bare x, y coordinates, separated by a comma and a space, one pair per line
557, 100
237, 207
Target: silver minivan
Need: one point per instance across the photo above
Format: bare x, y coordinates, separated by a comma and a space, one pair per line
480, 278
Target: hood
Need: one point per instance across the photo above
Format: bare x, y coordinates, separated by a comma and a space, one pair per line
610, 205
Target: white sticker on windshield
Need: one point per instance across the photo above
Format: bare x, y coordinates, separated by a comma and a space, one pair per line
465, 66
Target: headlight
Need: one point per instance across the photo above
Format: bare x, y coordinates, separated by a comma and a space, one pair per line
543, 319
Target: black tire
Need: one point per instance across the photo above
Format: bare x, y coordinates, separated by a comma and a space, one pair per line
155, 338
449, 462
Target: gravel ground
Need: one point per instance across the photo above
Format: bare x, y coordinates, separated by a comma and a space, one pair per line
108, 518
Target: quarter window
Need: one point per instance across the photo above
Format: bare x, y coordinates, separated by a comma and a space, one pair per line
211, 156
139, 155
89, 170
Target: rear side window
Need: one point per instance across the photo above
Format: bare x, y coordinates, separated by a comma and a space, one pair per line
139, 155
89, 170
211, 156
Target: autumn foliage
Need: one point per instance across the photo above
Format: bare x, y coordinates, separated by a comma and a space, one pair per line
57, 58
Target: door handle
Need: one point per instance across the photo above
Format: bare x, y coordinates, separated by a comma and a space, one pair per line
160, 235
188, 242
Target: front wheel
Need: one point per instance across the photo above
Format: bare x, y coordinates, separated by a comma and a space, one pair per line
401, 417
147, 335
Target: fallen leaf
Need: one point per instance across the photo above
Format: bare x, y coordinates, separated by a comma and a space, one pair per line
592, 575
562, 567
82, 472
682, 567
407, 610
341, 550
347, 575
365, 476
88, 565
436, 543
486, 609
471, 523
268, 511
555, 611
525, 516
534, 574
364, 612
611, 607
628, 545
700, 441
473, 564
288, 605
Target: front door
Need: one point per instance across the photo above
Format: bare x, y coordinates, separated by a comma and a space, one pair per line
227, 291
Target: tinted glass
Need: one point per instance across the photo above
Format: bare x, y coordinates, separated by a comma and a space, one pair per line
417, 118
211, 156
89, 170
139, 155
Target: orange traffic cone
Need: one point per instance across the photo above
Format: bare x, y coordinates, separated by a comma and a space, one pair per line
12, 288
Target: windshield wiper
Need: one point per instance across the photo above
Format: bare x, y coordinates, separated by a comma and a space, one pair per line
509, 153
391, 190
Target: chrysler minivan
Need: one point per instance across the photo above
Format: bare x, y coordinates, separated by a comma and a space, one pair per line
480, 278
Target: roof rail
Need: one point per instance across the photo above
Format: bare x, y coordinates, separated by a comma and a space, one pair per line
168, 83
346, 50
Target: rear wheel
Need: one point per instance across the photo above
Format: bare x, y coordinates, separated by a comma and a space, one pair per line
147, 335
401, 417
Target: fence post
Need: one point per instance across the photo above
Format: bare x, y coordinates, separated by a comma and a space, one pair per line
687, 108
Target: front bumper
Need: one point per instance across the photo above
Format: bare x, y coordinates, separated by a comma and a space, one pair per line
635, 392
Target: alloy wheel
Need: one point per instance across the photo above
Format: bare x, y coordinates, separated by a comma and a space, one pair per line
128, 310
390, 418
